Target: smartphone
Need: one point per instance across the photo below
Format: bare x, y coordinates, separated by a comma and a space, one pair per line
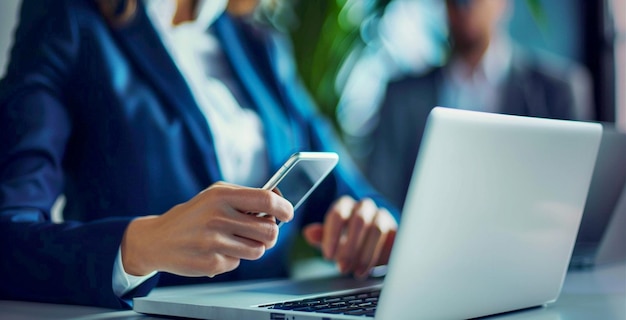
300, 175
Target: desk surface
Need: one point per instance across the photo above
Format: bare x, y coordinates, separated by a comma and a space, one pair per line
598, 293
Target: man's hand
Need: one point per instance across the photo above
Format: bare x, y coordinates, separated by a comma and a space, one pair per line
206, 236
357, 235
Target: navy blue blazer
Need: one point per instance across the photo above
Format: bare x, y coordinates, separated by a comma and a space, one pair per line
102, 115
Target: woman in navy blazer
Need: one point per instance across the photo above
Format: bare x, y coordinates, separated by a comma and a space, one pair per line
93, 107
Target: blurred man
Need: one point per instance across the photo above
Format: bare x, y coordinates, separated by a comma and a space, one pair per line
485, 72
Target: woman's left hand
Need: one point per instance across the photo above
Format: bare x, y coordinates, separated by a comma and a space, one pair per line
357, 235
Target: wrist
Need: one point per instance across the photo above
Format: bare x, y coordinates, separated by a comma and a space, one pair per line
137, 256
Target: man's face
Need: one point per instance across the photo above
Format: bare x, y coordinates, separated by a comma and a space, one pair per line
241, 7
472, 22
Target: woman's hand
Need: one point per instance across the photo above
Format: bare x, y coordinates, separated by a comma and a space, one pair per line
357, 235
207, 235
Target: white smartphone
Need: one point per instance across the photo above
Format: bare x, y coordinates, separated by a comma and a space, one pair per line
301, 174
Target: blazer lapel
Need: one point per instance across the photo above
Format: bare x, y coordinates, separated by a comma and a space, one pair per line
278, 134
521, 95
144, 46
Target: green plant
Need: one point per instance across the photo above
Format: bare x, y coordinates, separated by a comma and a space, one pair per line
326, 32
537, 11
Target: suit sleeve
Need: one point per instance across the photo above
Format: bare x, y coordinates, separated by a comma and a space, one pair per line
69, 262
346, 179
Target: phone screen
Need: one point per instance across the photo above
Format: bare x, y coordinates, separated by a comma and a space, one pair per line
301, 174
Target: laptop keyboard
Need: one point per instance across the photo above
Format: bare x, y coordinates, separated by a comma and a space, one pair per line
362, 303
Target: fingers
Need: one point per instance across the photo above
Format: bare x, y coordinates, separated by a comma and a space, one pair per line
262, 230
228, 240
313, 234
244, 200
240, 248
277, 191
376, 247
246, 239
358, 236
358, 227
334, 225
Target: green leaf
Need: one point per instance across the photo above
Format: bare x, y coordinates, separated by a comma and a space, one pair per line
536, 10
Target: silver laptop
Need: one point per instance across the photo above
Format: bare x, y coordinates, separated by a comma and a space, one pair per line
602, 230
489, 225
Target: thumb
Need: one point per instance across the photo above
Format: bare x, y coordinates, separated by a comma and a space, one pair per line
313, 234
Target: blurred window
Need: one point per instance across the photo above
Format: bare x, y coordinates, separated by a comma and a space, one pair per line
619, 14
8, 20
556, 27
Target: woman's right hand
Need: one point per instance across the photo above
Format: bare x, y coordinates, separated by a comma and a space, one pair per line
207, 235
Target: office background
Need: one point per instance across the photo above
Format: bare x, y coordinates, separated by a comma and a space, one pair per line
349, 48
337, 41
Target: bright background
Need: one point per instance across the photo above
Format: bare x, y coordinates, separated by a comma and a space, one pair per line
347, 49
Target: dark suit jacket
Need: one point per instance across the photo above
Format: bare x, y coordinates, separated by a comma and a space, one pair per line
537, 85
102, 115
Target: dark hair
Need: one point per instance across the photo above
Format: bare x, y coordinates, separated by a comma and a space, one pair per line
117, 12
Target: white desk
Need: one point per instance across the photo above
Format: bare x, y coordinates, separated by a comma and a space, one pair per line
599, 293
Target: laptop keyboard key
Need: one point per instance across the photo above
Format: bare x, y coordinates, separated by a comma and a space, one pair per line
361, 304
